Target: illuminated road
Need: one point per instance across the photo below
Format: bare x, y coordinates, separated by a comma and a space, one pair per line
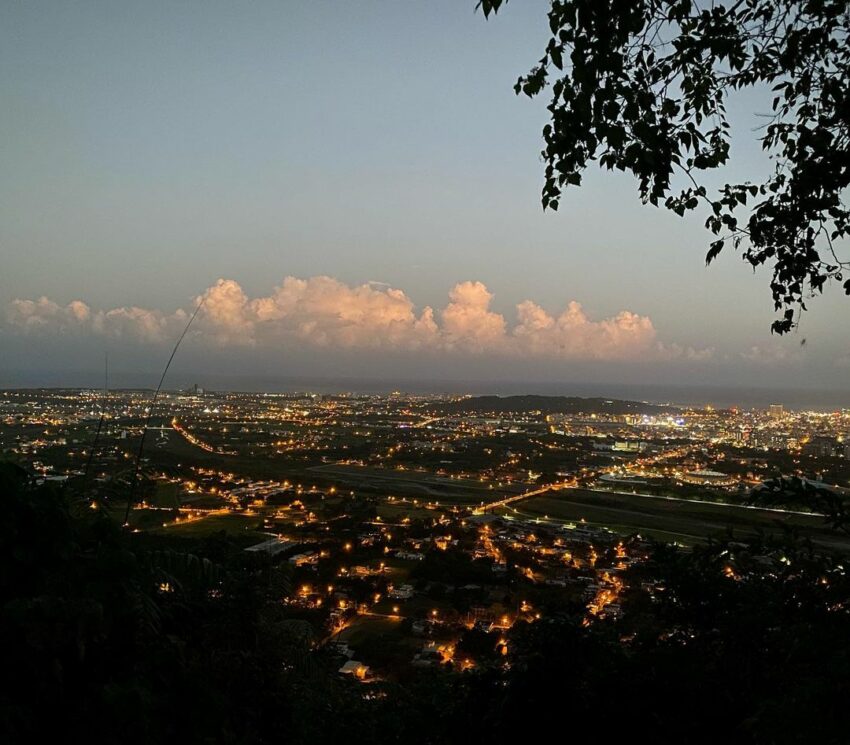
426, 422
571, 483
197, 442
660, 457
705, 501
520, 497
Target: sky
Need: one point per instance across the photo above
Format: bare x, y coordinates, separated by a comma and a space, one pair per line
352, 190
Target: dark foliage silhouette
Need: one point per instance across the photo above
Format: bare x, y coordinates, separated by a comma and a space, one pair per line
111, 636
642, 86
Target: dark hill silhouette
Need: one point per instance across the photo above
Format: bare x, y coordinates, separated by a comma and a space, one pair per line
551, 405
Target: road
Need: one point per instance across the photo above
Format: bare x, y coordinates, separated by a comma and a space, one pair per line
521, 497
705, 501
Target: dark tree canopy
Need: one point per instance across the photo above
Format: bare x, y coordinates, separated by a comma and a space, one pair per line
641, 86
108, 635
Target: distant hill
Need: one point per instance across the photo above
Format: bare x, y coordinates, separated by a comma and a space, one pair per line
550, 405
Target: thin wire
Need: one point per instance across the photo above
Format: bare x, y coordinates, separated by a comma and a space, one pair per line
132, 496
91, 457
93, 449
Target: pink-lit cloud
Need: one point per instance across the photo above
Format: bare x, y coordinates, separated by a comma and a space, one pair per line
139, 324
323, 312
468, 322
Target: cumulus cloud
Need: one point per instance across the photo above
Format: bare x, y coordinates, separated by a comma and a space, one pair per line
572, 334
225, 310
44, 315
323, 312
468, 322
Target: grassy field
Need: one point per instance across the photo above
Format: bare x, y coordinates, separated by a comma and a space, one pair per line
414, 483
166, 494
260, 466
240, 526
392, 511
665, 519
363, 627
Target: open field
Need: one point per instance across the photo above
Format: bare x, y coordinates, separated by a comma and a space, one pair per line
239, 526
669, 519
416, 483
394, 511
363, 627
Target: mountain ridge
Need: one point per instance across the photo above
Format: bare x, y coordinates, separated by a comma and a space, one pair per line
552, 405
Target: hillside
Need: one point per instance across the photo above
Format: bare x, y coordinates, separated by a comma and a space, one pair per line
550, 405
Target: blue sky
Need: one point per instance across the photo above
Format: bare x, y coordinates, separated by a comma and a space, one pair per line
149, 149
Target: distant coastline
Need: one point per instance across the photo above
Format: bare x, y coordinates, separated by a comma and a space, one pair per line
682, 395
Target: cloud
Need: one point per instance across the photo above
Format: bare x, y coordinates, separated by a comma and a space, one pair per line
322, 312
325, 312
469, 324
45, 316
689, 354
225, 310
572, 334
772, 354
33, 315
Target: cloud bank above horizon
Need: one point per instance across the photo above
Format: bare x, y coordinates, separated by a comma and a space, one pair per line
325, 313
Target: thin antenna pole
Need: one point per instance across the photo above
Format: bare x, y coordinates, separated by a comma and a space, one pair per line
132, 497
93, 449
91, 456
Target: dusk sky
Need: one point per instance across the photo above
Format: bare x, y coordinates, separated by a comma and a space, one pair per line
355, 190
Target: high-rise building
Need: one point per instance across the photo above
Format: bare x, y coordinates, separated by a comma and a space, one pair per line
776, 411
821, 446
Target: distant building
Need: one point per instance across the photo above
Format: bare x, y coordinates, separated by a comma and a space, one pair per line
821, 446
309, 558
708, 478
607, 479
404, 592
272, 546
629, 446
776, 411
410, 555
356, 669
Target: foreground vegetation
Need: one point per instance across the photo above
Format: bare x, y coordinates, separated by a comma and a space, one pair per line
109, 635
